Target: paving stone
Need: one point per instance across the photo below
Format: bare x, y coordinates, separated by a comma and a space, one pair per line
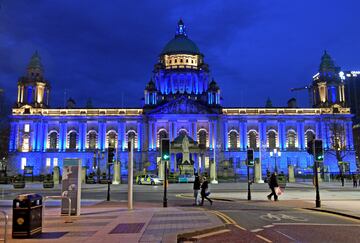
80, 234
128, 228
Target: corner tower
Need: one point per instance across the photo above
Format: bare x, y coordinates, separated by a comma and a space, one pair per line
181, 71
33, 89
327, 88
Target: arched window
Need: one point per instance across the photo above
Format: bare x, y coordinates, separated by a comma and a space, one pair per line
271, 135
92, 139
131, 134
233, 139
111, 139
182, 132
309, 135
53, 140
72, 140
253, 139
162, 133
202, 138
291, 139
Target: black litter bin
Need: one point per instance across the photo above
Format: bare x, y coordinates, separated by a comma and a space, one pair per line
27, 216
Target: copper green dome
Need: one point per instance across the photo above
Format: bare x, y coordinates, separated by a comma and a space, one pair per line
181, 44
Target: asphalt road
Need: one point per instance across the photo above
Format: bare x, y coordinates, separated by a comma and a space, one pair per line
263, 221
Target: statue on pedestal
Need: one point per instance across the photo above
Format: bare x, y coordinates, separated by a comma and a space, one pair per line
186, 168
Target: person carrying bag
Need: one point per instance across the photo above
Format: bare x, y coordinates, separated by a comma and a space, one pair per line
273, 183
205, 192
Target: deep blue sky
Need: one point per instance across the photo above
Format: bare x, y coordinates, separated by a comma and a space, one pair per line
101, 49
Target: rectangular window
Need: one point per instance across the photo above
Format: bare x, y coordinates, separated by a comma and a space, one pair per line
26, 144
55, 162
23, 163
48, 162
207, 162
27, 128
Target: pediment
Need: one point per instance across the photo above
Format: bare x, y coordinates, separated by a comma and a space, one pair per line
182, 105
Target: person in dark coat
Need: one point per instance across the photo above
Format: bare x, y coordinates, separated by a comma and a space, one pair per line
272, 184
354, 177
196, 188
204, 192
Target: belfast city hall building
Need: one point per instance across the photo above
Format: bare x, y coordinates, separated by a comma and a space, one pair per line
181, 100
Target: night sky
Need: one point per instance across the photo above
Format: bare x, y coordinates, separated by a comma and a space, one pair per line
106, 50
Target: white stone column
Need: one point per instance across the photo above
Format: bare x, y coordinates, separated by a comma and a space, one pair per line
119, 137
226, 136
150, 135
280, 135
244, 135
45, 136
82, 134
211, 136
33, 128
350, 136
139, 136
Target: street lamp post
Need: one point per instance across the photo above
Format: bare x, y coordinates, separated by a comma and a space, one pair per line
275, 154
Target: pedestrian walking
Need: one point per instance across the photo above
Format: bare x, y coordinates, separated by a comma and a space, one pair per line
354, 177
273, 183
205, 191
196, 188
342, 180
268, 174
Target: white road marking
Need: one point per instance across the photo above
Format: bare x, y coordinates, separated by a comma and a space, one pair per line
318, 224
289, 237
279, 217
263, 238
256, 230
268, 226
211, 234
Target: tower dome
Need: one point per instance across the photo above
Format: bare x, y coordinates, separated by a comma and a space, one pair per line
181, 44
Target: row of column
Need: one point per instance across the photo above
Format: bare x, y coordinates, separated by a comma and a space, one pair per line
39, 136
322, 132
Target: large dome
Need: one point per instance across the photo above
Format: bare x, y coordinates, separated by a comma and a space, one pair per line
181, 44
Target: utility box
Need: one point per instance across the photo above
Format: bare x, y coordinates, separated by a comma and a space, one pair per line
27, 216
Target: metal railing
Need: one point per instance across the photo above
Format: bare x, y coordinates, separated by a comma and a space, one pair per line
6, 217
68, 218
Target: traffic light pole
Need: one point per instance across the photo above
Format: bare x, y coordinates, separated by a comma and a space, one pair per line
165, 185
108, 189
248, 179
317, 201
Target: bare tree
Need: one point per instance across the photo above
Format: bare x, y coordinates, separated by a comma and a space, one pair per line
338, 142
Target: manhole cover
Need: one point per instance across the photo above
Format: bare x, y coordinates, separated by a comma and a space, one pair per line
127, 228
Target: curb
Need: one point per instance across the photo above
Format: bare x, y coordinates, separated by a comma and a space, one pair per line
213, 198
335, 212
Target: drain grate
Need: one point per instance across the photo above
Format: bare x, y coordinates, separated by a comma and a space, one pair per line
128, 228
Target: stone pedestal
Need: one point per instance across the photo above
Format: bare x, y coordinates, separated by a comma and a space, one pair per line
83, 174
327, 175
116, 176
291, 174
161, 170
56, 175
319, 174
257, 173
213, 176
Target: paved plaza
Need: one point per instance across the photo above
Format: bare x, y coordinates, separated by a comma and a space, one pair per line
231, 218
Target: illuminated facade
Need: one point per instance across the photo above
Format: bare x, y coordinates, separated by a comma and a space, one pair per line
180, 99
